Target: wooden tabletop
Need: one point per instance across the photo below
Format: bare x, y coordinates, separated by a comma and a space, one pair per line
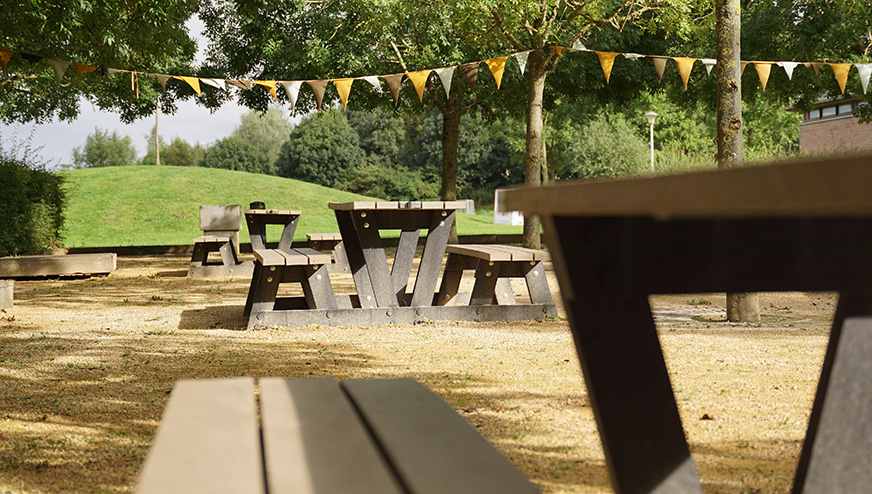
272, 212
385, 205
824, 187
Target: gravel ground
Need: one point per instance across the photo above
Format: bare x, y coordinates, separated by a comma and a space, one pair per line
87, 366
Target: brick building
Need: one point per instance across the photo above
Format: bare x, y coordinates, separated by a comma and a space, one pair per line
832, 126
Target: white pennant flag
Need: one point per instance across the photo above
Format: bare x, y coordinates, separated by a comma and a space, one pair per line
709, 63
788, 67
445, 75
865, 70
293, 90
521, 57
578, 45
632, 56
216, 83
373, 79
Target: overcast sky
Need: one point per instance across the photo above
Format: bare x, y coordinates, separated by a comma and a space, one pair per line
191, 122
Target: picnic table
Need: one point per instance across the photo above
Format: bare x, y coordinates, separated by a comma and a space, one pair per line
317, 436
804, 226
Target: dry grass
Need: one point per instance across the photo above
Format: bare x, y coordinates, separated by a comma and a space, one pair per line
87, 366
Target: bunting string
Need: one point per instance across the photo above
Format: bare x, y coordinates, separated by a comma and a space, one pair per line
419, 79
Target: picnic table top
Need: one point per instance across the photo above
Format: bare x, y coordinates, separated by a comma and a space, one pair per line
822, 187
395, 205
272, 212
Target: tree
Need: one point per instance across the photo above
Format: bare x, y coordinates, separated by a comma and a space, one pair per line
322, 149
146, 35
266, 132
181, 153
104, 149
234, 153
151, 139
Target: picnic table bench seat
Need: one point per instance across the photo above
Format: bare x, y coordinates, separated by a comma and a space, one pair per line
275, 266
330, 242
494, 265
306, 436
202, 266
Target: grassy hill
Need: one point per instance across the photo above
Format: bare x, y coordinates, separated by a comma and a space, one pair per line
149, 205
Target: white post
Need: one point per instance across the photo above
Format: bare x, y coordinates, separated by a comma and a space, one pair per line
651, 116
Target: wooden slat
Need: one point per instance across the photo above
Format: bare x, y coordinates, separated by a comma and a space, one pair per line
273, 212
350, 206
269, 257
315, 443
63, 265
432, 448
294, 258
208, 441
454, 205
807, 188
485, 252
315, 257
322, 237
208, 239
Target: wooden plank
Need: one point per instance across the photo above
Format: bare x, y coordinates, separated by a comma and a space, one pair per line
454, 205
6, 293
485, 252
432, 448
269, 257
324, 237
63, 265
220, 217
315, 257
272, 212
823, 187
294, 258
314, 442
208, 441
206, 239
351, 206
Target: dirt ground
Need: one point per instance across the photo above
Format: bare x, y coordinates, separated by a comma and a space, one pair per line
87, 366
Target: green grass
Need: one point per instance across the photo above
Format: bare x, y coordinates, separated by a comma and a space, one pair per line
149, 205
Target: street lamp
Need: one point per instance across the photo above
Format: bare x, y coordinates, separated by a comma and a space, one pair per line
651, 116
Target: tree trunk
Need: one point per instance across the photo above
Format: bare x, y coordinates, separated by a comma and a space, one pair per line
450, 139
741, 307
535, 143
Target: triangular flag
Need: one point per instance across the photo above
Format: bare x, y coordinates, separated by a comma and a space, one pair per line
5, 55
318, 88
522, 57
162, 79
578, 45
110, 71
632, 56
216, 83
788, 67
270, 86
394, 81
558, 50
293, 90
744, 64
684, 67
840, 70
763, 71
419, 80
59, 68
445, 75
241, 84
497, 66
372, 79
470, 71
865, 70
81, 69
659, 66
31, 58
816, 66
607, 61
194, 82
343, 86
709, 64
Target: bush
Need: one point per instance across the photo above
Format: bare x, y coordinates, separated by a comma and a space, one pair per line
104, 149
32, 203
603, 147
323, 149
234, 153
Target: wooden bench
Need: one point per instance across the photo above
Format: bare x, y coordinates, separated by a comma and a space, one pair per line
330, 242
303, 436
220, 225
494, 265
275, 266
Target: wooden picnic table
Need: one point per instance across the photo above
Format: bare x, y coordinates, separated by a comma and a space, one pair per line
258, 219
317, 436
804, 226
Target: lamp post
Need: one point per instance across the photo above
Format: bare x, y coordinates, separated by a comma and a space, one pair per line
651, 116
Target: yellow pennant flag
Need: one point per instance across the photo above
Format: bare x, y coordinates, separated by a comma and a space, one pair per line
81, 69
271, 87
763, 70
607, 61
559, 49
419, 80
659, 66
194, 82
343, 86
841, 72
5, 55
497, 67
684, 66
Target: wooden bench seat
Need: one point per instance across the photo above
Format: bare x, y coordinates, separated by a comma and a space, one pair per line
330, 242
223, 244
494, 265
305, 436
275, 266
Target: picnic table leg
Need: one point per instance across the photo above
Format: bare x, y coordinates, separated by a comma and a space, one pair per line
484, 288
228, 254
835, 455
454, 267
356, 261
263, 295
431, 258
317, 288
373, 252
288, 235
402, 268
537, 283
200, 254
257, 233
252, 287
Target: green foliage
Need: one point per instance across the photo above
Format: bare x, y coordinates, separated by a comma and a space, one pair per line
32, 202
181, 153
603, 147
265, 132
322, 149
104, 149
151, 139
234, 153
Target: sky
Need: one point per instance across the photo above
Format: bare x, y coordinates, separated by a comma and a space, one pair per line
54, 142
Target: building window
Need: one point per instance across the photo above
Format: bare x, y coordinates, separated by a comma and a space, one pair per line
842, 110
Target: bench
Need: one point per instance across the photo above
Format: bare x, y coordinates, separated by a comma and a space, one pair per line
6, 296
378, 436
220, 225
275, 266
330, 242
494, 265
